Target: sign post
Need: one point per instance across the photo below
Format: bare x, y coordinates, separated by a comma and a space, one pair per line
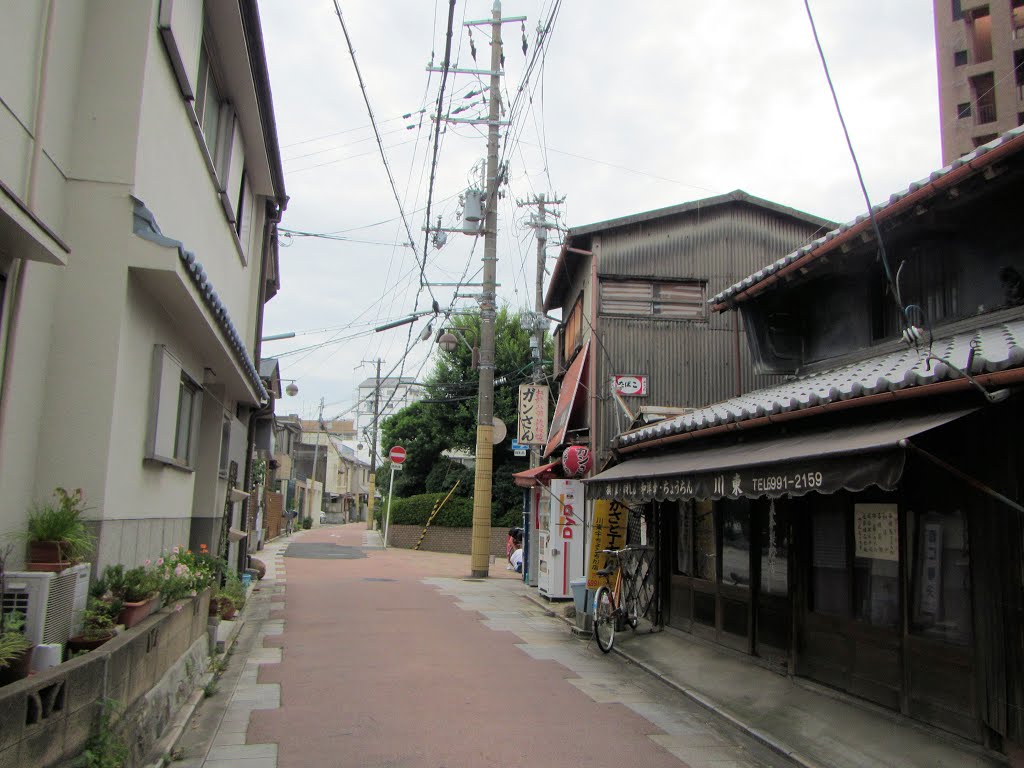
397, 456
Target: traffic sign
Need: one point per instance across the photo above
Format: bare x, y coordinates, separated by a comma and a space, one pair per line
397, 454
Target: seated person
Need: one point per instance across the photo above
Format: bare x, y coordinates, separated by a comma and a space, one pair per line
517, 560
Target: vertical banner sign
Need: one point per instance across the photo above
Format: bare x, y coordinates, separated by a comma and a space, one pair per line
533, 414
607, 532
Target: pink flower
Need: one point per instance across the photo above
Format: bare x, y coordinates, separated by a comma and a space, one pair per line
175, 550
178, 607
179, 570
148, 562
159, 561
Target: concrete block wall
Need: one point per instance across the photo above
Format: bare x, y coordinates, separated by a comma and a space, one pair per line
439, 539
46, 719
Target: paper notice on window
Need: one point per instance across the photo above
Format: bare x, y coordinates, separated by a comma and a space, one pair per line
876, 531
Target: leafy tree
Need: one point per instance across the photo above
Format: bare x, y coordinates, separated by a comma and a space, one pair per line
447, 418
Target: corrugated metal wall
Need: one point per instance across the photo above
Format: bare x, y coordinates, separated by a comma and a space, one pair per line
690, 363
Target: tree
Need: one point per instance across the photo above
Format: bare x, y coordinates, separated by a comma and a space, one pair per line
446, 418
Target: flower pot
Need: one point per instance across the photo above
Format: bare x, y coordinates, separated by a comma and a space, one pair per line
223, 608
48, 556
132, 613
18, 669
76, 644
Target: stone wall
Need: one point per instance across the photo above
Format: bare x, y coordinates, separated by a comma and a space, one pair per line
439, 539
148, 670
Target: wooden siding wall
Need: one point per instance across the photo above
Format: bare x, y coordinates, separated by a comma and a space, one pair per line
690, 363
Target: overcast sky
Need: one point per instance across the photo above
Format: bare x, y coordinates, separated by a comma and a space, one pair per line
635, 106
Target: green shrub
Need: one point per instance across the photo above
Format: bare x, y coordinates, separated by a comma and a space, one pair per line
456, 513
307, 523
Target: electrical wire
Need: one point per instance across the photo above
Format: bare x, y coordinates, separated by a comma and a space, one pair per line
380, 144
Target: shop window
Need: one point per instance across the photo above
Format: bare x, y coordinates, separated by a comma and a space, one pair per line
941, 577
735, 542
876, 565
704, 555
830, 579
870, 591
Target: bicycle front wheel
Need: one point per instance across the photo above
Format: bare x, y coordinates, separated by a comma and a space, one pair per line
604, 619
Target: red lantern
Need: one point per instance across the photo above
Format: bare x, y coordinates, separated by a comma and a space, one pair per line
577, 460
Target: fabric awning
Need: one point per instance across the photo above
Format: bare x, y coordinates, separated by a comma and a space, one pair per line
530, 477
822, 461
566, 400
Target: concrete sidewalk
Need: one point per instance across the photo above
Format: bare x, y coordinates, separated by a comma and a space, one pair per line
812, 725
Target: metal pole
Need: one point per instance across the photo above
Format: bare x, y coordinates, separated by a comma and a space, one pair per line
538, 363
481, 546
387, 516
371, 502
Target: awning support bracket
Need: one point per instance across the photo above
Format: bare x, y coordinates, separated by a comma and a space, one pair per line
972, 481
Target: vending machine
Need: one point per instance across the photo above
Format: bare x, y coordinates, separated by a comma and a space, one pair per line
561, 548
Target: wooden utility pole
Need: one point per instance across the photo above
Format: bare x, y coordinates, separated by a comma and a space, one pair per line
483, 477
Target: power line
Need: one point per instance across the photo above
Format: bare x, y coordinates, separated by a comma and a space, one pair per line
380, 144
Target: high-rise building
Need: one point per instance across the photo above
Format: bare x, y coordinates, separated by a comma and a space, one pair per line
979, 45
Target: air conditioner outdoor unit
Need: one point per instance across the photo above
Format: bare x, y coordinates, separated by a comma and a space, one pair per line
53, 603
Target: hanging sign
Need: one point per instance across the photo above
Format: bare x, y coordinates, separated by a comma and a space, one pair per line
630, 386
607, 532
533, 414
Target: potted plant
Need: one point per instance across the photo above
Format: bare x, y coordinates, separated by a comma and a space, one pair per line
15, 648
229, 598
97, 627
56, 533
138, 592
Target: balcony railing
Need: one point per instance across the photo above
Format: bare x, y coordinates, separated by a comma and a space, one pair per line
986, 113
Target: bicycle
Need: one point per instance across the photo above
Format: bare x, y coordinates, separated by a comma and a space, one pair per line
612, 609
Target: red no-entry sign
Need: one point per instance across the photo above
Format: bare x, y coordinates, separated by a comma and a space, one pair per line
397, 454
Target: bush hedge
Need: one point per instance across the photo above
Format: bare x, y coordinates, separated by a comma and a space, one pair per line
456, 513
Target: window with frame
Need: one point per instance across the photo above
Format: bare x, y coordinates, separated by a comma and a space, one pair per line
959, 58
175, 412
216, 118
676, 300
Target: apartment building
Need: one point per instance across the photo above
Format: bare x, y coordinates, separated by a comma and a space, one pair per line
979, 46
140, 190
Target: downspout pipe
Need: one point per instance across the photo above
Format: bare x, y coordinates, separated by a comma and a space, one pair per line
273, 216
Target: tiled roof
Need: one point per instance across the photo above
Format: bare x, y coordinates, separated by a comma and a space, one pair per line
996, 348
824, 243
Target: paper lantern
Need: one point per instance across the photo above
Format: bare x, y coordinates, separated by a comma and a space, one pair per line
577, 460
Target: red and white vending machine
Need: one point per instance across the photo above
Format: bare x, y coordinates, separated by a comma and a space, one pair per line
561, 546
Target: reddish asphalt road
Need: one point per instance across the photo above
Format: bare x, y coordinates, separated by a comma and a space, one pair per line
380, 669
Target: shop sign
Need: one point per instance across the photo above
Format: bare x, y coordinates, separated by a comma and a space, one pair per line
791, 479
608, 531
630, 386
533, 414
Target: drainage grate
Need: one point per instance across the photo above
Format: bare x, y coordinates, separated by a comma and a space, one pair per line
325, 551
377, 578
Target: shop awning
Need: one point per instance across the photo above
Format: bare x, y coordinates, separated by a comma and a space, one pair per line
822, 461
530, 477
566, 400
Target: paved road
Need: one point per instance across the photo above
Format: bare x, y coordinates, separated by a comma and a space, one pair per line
396, 658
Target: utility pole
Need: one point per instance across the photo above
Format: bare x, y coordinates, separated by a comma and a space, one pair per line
541, 226
483, 476
316, 455
373, 449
